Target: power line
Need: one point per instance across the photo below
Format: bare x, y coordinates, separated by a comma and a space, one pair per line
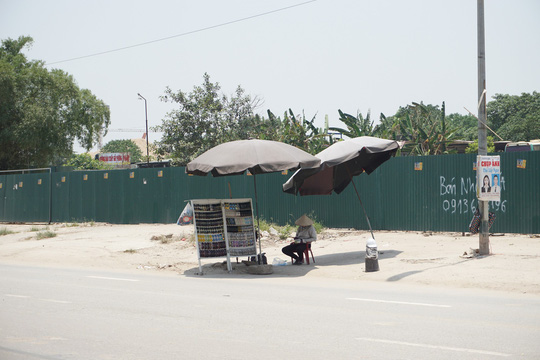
183, 34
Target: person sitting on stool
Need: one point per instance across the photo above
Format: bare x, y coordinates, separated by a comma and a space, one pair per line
305, 235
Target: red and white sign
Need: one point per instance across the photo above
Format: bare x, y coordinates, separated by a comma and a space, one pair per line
488, 178
115, 158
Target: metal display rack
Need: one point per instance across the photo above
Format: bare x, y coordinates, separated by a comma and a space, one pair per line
224, 228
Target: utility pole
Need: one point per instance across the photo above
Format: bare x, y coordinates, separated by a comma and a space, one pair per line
146, 115
482, 120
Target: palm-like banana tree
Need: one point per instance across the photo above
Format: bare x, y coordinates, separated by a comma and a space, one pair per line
386, 128
423, 131
302, 133
356, 126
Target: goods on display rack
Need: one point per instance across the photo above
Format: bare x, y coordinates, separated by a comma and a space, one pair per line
240, 230
224, 228
209, 229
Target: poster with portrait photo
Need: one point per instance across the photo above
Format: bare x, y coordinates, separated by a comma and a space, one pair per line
488, 178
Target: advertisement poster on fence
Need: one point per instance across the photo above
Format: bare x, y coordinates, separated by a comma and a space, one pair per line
488, 178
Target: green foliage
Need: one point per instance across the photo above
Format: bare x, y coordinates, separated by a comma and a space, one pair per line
423, 128
124, 146
258, 127
204, 119
515, 117
319, 227
264, 225
86, 162
386, 128
298, 131
286, 230
5, 231
356, 126
473, 148
43, 111
45, 234
466, 126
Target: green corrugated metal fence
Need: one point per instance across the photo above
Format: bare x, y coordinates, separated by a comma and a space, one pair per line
431, 193
24, 198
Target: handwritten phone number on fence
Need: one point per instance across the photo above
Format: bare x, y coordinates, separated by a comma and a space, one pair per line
465, 187
464, 206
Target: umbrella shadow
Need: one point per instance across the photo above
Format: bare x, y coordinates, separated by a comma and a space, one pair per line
351, 258
403, 275
240, 270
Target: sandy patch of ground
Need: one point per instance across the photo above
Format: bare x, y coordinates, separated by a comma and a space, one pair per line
441, 259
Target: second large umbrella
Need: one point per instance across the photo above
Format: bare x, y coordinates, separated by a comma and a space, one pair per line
339, 163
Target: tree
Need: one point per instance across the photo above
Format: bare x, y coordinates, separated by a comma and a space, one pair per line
386, 128
259, 127
515, 117
298, 131
42, 112
85, 162
473, 148
466, 126
205, 118
423, 128
356, 126
124, 146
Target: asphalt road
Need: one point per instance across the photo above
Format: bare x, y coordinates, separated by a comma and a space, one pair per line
49, 313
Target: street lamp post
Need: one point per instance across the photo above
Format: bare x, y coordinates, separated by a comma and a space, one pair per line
146, 115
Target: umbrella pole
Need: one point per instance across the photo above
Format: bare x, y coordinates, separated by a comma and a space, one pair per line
363, 208
257, 235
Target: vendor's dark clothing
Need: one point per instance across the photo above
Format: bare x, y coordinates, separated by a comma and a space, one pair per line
295, 250
305, 235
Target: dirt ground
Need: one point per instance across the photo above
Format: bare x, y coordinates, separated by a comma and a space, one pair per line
441, 259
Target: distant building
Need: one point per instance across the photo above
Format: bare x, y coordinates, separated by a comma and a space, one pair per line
459, 146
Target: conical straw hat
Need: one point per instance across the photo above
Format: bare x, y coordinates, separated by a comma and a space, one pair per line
304, 221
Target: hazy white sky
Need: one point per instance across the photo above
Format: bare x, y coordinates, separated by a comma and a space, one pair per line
325, 55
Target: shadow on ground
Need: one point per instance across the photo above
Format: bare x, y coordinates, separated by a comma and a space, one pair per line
219, 269
403, 275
